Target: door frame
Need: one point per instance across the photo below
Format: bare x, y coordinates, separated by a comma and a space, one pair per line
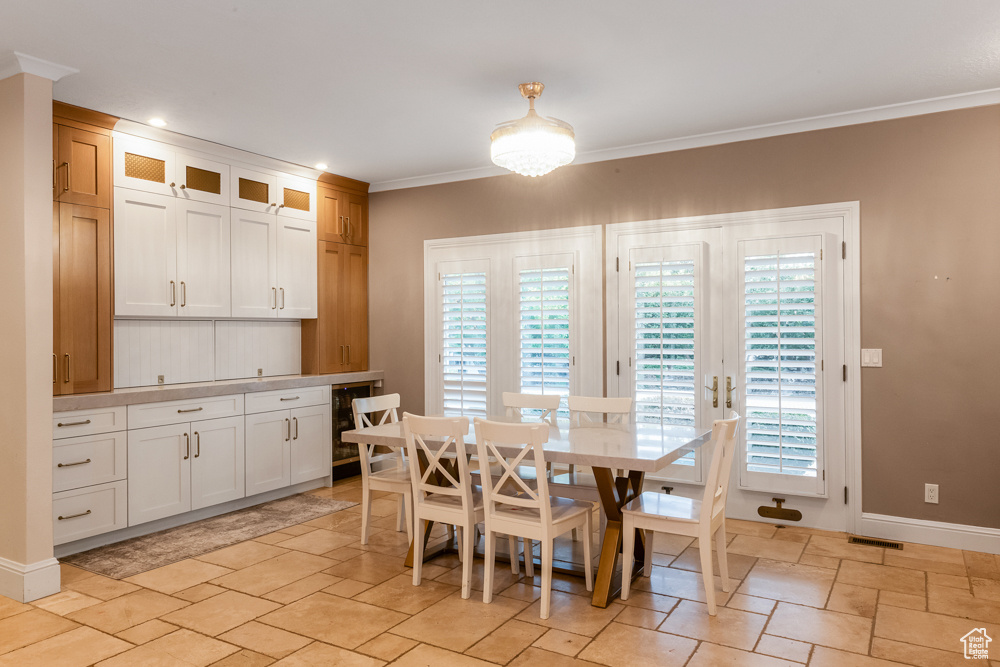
850, 213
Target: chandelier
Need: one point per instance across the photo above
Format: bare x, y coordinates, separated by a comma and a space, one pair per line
533, 145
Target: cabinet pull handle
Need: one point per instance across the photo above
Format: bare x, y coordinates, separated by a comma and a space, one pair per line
69, 367
296, 420
348, 354
197, 444
70, 465
187, 446
282, 290
274, 295
69, 177
288, 430
55, 368
340, 231
348, 220
173, 293
184, 294
73, 516
180, 412
341, 355
290, 398
83, 423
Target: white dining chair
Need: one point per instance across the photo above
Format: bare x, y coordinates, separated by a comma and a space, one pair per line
659, 512
613, 410
515, 404
382, 471
516, 507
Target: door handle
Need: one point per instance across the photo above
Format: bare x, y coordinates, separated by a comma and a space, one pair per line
187, 446
184, 294
715, 391
69, 368
274, 295
288, 430
296, 420
197, 444
173, 293
729, 392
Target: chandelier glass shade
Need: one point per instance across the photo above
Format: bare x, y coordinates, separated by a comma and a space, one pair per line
533, 145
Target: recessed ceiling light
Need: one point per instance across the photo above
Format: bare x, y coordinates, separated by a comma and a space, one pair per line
157, 122
322, 166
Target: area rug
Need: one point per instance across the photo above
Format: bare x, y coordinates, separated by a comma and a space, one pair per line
148, 552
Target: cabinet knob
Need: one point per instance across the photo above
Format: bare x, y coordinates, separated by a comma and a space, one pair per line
183, 187
172, 184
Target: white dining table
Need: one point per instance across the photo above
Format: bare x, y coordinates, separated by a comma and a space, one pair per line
631, 449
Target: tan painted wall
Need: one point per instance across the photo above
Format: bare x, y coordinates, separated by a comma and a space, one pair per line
929, 188
26, 325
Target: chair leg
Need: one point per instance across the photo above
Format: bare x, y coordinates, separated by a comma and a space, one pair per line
588, 557
515, 557
418, 550
707, 572
489, 565
400, 509
461, 552
366, 512
408, 509
647, 568
529, 557
547, 549
720, 549
467, 535
628, 554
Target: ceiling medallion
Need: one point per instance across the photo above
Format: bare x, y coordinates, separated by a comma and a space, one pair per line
533, 145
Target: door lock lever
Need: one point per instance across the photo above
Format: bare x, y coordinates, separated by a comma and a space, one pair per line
715, 391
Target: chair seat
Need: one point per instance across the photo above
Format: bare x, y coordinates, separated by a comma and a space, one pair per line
677, 508
454, 502
391, 475
562, 509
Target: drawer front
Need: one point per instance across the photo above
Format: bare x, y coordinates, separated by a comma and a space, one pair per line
284, 399
88, 422
179, 412
86, 512
89, 460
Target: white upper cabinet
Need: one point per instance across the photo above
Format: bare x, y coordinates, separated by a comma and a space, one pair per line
202, 180
141, 164
297, 197
254, 255
253, 190
296, 268
203, 271
145, 254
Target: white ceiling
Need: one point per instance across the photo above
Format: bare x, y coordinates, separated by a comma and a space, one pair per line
399, 93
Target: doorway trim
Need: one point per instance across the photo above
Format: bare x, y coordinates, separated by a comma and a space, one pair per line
850, 213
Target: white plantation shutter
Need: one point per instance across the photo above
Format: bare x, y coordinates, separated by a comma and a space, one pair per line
782, 349
544, 317
464, 356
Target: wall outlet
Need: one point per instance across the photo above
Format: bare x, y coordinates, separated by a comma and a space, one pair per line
159, 379
260, 372
931, 493
871, 358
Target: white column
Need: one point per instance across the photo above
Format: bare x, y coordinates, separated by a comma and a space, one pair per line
28, 570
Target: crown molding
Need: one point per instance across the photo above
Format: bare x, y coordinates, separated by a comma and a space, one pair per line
13, 63
870, 115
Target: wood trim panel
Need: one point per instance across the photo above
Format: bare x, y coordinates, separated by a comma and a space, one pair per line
343, 183
67, 114
83, 167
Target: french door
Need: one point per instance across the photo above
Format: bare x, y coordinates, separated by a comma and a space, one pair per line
747, 317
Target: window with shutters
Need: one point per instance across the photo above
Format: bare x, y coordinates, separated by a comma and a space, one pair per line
545, 326
782, 348
465, 343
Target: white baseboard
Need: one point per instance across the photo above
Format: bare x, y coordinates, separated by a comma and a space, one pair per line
936, 533
33, 581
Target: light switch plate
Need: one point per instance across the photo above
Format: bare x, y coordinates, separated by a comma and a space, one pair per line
871, 358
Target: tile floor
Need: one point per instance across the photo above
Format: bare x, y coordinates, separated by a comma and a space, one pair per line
313, 595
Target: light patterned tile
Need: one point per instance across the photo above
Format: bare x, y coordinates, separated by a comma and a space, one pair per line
100, 587
126, 611
370, 567
759, 547
30, 627
301, 588
690, 559
506, 642
855, 600
949, 580
244, 554
893, 599
536, 657
425, 656
982, 566
245, 658
924, 628
70, 573
146, 632
347, 588
747, 603
65, 602
986, 589
647, 600
753, 528
181, 648
563, 643
827, 657
825, 628
318, 541
835, 547
334, 620
76, 648
961, 603
400, 594
713, 655
787, 649
897, 559
300, 529
626, 646
265, 639
457, 624
679, 583
387, 646
882, 577
819, 561
220, 613
572, 613
271, 574
789, 582
178, 576
920, 656
10, 607
643, 618
199, 592
731, 627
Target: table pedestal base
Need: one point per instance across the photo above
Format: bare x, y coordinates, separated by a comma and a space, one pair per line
615, 493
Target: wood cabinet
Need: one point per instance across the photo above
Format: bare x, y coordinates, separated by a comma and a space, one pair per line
337, 340
81, 360
342, 216
81, 167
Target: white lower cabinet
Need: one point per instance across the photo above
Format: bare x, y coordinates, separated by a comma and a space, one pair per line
312, 444
287, 446
268, 451
181, 467
89, 511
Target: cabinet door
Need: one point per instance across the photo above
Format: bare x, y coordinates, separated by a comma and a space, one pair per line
217, 461
253, 190
332, 348
83, 168
56, 377
202, 180
254, 257
311, 442
141, 164
354, 307
145, 254
296, 268
356, 220
203, 271
297, 197
268, 451
84, 303
159, 472
330, 216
